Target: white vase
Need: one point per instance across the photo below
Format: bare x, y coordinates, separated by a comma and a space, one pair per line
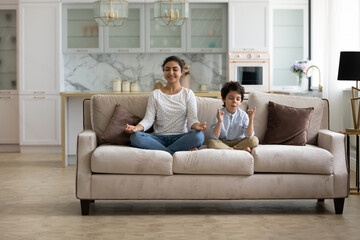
303, 83
186, 81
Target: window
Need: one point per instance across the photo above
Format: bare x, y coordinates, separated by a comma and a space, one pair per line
290, 41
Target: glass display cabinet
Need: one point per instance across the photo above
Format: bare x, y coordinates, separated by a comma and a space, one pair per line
81, 32
8, 50
9, 99
130, 36
163, 39
206, 30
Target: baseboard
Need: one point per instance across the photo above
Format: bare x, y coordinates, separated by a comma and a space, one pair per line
40, 149
9, 148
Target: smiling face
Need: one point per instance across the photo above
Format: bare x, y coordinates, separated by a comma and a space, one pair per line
232, 101
172, 72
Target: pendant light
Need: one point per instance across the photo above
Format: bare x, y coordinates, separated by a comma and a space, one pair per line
171, 12
112, 13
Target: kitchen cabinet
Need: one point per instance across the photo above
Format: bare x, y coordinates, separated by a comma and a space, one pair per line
39, 48
81, 33
204, 32
130, 37
8, 48
40, 120
9, 100
39, 74
169, 39
248, 26
9, 118
206, 28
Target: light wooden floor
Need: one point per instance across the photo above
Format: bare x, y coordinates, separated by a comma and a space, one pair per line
37, 201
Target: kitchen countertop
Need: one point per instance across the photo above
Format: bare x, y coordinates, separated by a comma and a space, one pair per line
214, 94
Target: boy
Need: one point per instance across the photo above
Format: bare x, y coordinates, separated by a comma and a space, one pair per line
232, 127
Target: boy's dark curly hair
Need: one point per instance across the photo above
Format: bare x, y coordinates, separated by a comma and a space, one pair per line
232, 86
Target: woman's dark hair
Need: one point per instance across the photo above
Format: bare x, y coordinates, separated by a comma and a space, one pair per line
176, 59
232, 86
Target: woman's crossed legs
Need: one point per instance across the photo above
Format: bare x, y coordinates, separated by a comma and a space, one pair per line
170, 143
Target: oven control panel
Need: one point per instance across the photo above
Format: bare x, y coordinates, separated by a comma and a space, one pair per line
249, 56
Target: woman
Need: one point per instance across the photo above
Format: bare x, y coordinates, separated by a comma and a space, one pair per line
169, 110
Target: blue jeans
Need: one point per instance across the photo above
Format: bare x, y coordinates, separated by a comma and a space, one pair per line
169, 143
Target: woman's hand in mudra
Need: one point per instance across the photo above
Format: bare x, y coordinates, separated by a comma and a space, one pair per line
130, 128
199, 126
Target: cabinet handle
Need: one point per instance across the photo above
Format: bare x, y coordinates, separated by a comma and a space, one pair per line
123, 50
39, 97
82, 50
5, 97
206, 50
165, 50
7, 92
249, 49
37, 92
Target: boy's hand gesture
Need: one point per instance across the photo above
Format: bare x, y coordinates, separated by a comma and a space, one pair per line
251, 112
220, 115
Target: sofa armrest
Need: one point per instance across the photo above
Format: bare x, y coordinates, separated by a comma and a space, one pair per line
86, 144
335, 143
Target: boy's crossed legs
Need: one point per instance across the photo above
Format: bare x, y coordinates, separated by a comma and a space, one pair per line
243, 144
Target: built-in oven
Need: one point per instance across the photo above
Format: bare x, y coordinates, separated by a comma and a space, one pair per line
251, 70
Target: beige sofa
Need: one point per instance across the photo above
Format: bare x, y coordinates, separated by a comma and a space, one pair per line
112, 172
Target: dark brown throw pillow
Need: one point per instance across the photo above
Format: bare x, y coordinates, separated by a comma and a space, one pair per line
287, 125
115, 131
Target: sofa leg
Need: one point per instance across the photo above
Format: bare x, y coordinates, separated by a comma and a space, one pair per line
339, 205
85, 207
321, 200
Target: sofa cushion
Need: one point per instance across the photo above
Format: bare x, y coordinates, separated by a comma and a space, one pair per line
261, 100
293, 159
115, 131
130, 160
102, 108
214, 161
287, 125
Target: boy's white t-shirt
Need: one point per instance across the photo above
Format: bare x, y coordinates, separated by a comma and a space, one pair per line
169, 114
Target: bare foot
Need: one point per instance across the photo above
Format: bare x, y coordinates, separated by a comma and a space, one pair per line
193, 149
248, 149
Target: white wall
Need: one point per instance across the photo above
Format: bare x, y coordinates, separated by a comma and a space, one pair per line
335, 28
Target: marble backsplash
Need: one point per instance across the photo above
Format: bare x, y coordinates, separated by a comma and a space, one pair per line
95, 72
